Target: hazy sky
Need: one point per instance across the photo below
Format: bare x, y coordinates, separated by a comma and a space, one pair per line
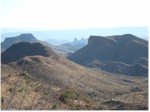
73, 14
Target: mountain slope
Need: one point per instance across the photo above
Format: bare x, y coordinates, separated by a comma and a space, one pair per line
26, 49
47, 82
27, 37
127, 49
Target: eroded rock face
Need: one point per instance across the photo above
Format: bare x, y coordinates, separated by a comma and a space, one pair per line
126, 49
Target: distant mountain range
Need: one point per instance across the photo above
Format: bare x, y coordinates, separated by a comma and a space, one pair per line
21, 38
68, 35
74, 45
63, 49
69, 47
126, 54
55, 42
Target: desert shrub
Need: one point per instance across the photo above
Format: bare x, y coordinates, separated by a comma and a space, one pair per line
8, 75
63, 98
87, 100
21, 90
113, 103
54, 107
136, 89
71, 94
23, 74
2, 99
118, 93
10, 89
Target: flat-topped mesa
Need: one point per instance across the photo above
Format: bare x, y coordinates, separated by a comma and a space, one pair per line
23, 49
27, 37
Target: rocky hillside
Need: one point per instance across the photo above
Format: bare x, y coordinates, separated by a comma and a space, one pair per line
23, 49
126, 50
36, 80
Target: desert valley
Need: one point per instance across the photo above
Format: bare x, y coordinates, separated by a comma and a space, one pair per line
100, 73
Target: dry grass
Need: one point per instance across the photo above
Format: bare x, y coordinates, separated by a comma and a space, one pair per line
46, 85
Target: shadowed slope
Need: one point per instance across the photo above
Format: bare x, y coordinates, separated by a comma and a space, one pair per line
23, 49
126, 49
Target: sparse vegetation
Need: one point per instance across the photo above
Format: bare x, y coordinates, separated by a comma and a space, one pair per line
69, 94
40, 94
44, 83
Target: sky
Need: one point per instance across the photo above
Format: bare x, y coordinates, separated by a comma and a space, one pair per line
73, 14
141, 32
